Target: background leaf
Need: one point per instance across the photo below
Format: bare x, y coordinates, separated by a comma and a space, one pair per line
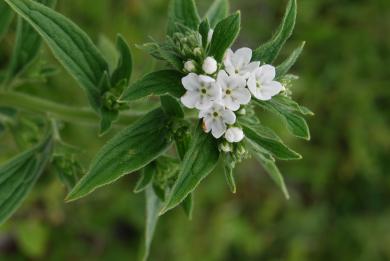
128, 151
269, 51
225, 34
183, 12
18, 176
5, 18
218, 10
284, 67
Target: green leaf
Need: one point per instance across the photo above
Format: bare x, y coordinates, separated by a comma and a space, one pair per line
182, 12
295, 123
225, 33
271, 168
171, 106
27, 45
122, 73
131, 149
153, 205
188, 205
70, 45
200, 159
146, 177
229, 164
156, 83
204, 29
5, 18
109, 51
270, 142
269, 51
18, 176
288, 104
284, 67
218, 10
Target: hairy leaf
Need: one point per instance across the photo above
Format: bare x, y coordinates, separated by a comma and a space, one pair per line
129, 150
122, 73
269, 51
284, 67
204, 28
270, 142
146, 177
5, 18
200, 159
182, 12
172, 106
27, 45
218, 10
155, 83
19, 175
225, 34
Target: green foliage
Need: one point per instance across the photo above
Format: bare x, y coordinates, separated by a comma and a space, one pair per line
269, 51
122, 73
182, 12
218, 10
286, 65
225, 33
5, 18
155, 83
130, 150
18, 176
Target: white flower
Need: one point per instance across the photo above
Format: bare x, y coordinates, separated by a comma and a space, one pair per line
216, 118
234, 91
201, 93
210, 35
240, 62
234, 134
189, 66
210, 65
262, 85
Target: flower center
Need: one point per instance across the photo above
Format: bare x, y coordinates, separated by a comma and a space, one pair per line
228, 92
203, 90
215, 114
258, 84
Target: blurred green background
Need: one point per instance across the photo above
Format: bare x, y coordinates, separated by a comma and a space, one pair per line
340, 192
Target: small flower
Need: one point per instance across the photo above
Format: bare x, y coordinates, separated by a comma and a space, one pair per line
189, 66
240, 62
262, 85
201, 91
234, 134
234, 91
210, 65
210, 36
216, 118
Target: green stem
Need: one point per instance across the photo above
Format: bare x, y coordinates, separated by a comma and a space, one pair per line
58, 111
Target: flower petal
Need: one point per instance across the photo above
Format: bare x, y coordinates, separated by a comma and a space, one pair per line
242, 95
218, 128
228, 116
189, 99
271, 88
242, 57
191, 82
266, 73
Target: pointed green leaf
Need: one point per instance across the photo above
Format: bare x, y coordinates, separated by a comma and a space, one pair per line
284, 67
122, 73
18, 176
270, 142
5, 18
69, 44
27, 45
218, 10
146, 177
171, 106
156, 83
287, 103
188, 205
128, 151
182, 12
204, 29
153, 205
269, 51
224, 35
200, 159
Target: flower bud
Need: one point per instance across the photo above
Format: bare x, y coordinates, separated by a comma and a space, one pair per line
197, 51
210, 65
234, 134
226, 147
189, 66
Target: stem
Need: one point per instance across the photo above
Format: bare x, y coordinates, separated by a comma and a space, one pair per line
58, 111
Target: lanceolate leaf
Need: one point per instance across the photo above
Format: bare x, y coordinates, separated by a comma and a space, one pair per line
5, 18
182, 12
122, 72
284, 67
146, 177
128, 151
200, 159
225, 34
27, 45
156, 83
70, 45
218, 10
172, 106
270, 142
269, 51
19, 175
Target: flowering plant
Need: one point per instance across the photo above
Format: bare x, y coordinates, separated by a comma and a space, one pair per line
208, 96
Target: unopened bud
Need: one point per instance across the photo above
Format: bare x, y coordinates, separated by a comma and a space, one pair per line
226, 147
189, 66
210, 35
197, 51
234, 134
210, 65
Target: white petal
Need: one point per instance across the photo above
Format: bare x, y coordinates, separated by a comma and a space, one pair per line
191, 82
203, 103
272, 88
228, 117
242, 57
242, 95
234, 134
218, 128
222, 78
266, 73
237, 82
207, 124
210, 65
252, 67
252, 84
190, 99
206, 79
230, 104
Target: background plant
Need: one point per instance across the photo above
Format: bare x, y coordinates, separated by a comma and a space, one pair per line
294, 180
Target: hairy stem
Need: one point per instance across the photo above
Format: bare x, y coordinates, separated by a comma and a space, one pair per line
62, 112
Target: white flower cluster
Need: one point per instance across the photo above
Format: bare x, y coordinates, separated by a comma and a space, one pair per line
219, 94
